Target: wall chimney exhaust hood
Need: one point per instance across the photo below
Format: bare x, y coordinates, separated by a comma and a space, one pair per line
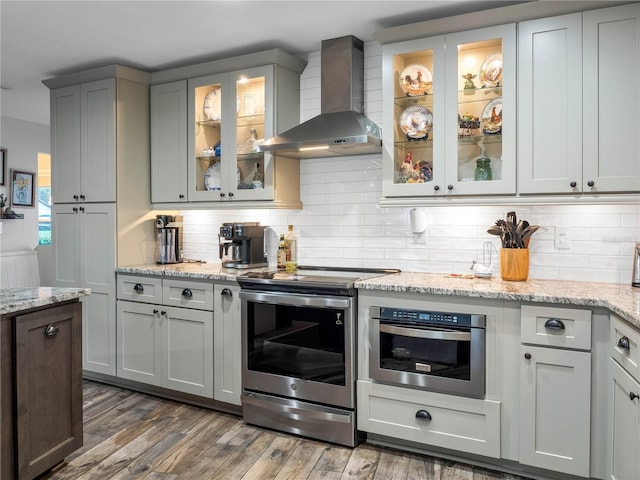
341, 128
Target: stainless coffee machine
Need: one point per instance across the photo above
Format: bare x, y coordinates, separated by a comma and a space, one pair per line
242, 245
168, 238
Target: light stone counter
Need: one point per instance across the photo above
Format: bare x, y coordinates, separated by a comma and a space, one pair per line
18, 299
623, 300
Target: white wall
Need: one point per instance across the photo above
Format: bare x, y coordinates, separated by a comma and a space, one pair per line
342, 224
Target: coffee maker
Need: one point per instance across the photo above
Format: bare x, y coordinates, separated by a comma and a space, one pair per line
168, 238
242, 245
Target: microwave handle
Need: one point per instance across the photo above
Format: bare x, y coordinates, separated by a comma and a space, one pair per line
429, 334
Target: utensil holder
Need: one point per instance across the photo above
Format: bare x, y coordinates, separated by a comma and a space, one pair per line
514, 264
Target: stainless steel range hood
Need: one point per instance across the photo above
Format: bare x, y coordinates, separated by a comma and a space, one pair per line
341, 128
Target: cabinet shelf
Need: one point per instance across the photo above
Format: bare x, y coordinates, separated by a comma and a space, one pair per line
475, 139
422, 100
210, 123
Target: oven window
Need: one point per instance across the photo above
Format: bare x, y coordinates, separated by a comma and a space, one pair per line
302, 342
436, 357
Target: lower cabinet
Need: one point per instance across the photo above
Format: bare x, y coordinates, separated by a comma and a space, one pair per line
624, 425
41, 392
227, 343
166, 346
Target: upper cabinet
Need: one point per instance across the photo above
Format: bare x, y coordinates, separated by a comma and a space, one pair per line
444, 102
205, 130
579, 95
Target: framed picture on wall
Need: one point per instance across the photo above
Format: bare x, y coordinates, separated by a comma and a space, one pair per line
22, 188
3, 164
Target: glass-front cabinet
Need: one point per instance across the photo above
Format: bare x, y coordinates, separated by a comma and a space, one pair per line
444, 101
229, 115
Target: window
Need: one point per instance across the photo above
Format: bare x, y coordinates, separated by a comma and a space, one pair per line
44, 199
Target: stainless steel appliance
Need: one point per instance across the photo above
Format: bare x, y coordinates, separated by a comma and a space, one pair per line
635, 276
242, 245
298, 351
168, 238
438, 351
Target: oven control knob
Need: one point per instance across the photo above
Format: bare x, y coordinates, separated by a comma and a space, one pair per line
294, 386
423, 415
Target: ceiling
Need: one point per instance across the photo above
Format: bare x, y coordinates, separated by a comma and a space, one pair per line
43, 39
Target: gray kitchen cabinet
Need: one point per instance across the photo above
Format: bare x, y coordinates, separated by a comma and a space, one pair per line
100, 191
555, 389
84, 252
227, 344
431, 150
165, 333
624, 411
169, 142
230, 103
578, 102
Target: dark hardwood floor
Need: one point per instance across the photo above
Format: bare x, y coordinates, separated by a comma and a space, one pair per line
129, 435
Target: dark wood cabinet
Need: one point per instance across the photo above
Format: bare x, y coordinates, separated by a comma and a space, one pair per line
41, 375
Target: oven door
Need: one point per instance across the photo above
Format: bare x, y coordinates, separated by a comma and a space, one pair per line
442, 359
299, 346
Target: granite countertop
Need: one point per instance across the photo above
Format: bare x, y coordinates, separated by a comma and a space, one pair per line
623, 300
18, 299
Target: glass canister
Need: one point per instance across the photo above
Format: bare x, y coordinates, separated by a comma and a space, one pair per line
483, 169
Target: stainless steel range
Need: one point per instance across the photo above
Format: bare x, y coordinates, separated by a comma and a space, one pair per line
298, 358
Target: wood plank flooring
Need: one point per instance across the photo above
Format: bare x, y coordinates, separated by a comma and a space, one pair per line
129, 435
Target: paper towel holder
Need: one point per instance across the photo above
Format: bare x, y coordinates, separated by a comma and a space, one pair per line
418, 220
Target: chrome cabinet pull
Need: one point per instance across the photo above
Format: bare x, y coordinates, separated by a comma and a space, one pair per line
423, 415
51, 330
187, 293
554, 324
624, 343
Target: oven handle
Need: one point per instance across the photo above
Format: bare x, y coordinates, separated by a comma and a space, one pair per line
296, 299
430, 334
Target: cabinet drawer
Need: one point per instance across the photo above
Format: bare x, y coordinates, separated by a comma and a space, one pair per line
140, 289
556, 327
189, 294
624, 346
456, 423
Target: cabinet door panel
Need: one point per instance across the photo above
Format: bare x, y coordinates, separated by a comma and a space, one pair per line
611, 99
99, 333
98, 247
187, 351
555, 406
169, 142
97, 140
550, 105
48, 387
624, 426
66, 240
65, 144
228, 343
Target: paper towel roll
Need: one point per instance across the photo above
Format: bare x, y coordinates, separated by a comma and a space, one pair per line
418, 220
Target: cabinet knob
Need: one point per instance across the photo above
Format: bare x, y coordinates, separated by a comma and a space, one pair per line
436, 187
181, 196
138, 288
633, 396
231, 194
163, 313
222, 194
155, 311
226, 292
81, 197
573, 184
591, 183
423, 415
554, 324
187, 293
449, 187
82, 209
623, 343
527, 356
52, 331
75, 209
75, 197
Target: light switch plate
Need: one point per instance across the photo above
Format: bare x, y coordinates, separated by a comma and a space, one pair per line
561, 241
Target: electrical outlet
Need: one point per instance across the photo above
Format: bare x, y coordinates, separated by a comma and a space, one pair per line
562, 238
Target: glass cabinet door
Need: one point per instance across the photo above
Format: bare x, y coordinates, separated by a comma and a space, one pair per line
481, 119
413, 150
208, 122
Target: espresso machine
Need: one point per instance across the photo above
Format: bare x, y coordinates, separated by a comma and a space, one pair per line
242, 245
168, 238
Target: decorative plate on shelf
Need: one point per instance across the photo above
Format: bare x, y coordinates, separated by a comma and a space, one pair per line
212, 105
416, 122
416, 80
212, 177
492, 116
491, 71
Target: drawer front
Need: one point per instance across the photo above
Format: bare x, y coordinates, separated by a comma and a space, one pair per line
139, 289
189, 294
624, 346
556, 327
457, 423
